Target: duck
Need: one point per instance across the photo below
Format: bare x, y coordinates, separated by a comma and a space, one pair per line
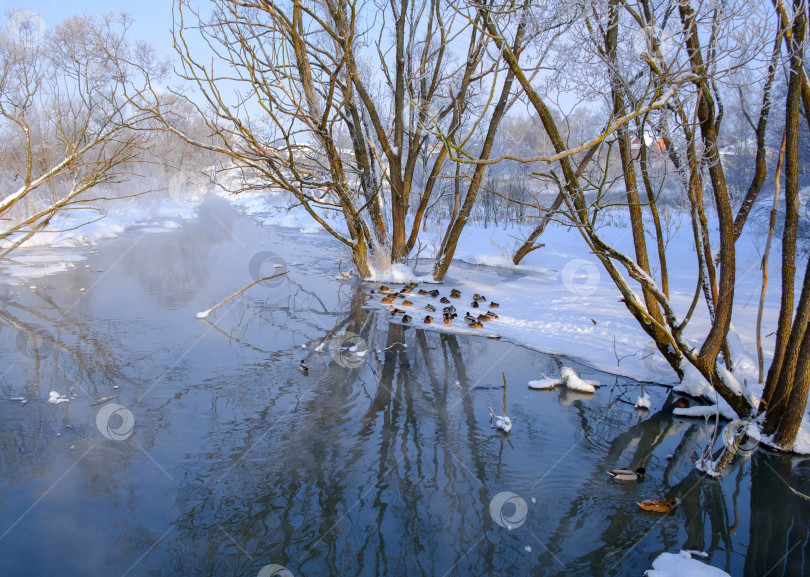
502, 422
447, 319
434, 293
455, 294
492, 315
303, 368
444, 300
483, 319
430, 308
422, 292
388, 299
451, 309
406, 318
493, 305
625, 474
383, 289
397, 312
469, 318
428, 319
475, 325
658, 506
474, 304
407, 303
478, 297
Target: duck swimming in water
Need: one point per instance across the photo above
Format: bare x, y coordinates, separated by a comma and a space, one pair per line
658, 506
627, 474
430, 308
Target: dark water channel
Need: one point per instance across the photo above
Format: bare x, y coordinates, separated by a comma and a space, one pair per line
237, 460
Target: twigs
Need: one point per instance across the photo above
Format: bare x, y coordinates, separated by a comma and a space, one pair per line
204, 314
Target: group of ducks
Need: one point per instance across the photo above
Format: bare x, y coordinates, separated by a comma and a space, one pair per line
651, 505
448, 312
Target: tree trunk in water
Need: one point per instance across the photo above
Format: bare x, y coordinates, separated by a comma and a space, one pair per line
794, 410
783, 332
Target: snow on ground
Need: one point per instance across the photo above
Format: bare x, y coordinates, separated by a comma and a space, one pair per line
48, 252
682, 564
559, 300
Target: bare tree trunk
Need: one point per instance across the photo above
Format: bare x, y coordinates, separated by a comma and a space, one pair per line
773, 395
529, 244
765, 255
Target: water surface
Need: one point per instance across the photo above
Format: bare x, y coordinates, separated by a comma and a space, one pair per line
237, 460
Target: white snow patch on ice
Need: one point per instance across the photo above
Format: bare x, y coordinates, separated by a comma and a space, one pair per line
681, 565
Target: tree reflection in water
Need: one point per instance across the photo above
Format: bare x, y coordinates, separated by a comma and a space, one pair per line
238, 460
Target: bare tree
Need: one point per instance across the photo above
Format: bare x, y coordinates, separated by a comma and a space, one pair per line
666, 68
350, 107
67, 119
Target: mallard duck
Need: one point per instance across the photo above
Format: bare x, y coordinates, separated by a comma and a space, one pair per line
658, 506
478, 297
444, 300
303, 368
451, 309
383, 289
422, 292
447, 319
493, 305
469, 318
502, 422
397, 312
430, 308
492, 315
474, 304
407, 303
406, 318
434, 293
388, 299
455, 294
475, 325
428, 319
483, 319
627, 474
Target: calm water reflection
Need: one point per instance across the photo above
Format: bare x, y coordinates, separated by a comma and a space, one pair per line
238, 460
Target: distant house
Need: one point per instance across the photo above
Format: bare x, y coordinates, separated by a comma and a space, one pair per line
654, 144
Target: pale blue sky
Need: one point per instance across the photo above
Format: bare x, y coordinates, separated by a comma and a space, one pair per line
153, 18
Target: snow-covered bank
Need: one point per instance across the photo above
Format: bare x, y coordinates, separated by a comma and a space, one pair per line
560, 300
54, 250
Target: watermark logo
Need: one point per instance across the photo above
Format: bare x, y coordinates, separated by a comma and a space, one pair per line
27, 29
265, 264
655, 361
275, 571
508, 510
745, 445
580, 277
651, 37
35, 342
115, 422
348, 350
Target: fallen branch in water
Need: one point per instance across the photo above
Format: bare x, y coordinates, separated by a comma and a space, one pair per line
204, 314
